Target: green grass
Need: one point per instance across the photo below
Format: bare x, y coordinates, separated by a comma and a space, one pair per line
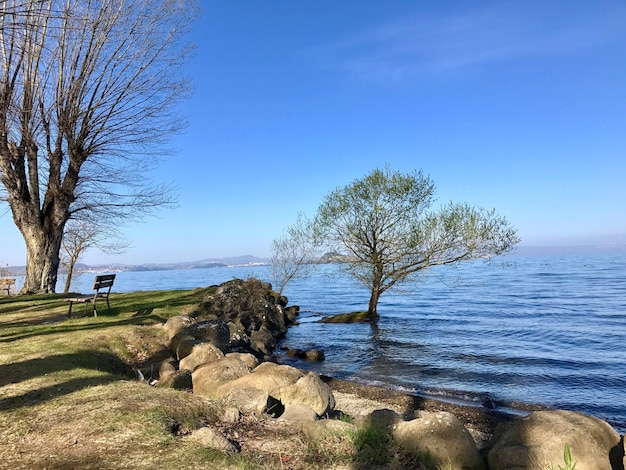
70, 398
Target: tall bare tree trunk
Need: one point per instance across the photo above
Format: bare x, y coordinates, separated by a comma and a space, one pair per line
42, 257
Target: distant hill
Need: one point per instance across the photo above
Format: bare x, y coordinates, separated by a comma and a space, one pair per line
246, 260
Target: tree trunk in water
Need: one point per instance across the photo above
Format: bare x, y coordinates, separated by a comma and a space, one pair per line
42, 260
371, 309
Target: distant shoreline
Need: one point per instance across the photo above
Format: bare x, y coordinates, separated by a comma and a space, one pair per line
253, 261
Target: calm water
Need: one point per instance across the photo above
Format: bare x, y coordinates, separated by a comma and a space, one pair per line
536, 330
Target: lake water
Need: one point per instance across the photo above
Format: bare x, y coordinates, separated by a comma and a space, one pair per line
547, 330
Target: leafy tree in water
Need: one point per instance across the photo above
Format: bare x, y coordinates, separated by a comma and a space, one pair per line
87, 97
385, 226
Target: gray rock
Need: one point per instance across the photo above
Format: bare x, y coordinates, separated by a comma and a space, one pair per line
309, 391
248, 400
215, 332
313, 355
268, 377
384, 418
201, 353
184, 346
179, 380
208, 378
167, 368
231, 414
209, 437
442, 438
297, 414
539, 440
175, 325
250, 360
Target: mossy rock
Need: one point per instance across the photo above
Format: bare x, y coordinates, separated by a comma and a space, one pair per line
353, 317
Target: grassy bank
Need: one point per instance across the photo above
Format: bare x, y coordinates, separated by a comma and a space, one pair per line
70, 398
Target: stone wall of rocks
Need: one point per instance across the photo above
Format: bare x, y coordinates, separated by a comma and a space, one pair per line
221, 350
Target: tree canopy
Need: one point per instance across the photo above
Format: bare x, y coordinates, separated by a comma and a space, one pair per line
388, 231
88, 90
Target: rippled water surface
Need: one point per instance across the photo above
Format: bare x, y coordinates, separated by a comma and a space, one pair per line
537, 330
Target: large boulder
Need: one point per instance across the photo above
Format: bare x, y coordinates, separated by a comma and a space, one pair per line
201, 353
539, 439
208, 378
309, 391
246, 358
177, 324
248, 400
441, 439
268, 376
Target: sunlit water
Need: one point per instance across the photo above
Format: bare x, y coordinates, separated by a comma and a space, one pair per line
535, 330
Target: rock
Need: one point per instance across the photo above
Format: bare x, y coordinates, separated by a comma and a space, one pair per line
248, 400
175, 341
175, 325
323, 428
268, 377
297, 414
539, 440
313, 355
209, 437
249, 359
167, 368
185, 345
291, 313
294, 352
215, 332
209, 377
231, 414
442, 438
309, 391
263, 341
179, 380
201, 353
384, 418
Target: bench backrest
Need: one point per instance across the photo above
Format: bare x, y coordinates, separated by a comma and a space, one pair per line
7, 282
104, 281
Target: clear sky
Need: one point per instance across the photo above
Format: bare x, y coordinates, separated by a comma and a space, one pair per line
518, 106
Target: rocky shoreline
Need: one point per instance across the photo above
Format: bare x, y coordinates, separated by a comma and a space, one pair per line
223, 349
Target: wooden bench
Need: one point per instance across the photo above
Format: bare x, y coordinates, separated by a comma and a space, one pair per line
6, 284
102, 285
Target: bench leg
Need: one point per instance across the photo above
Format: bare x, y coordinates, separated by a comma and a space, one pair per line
69, 314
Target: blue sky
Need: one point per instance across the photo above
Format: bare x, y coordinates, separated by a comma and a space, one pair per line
518, 106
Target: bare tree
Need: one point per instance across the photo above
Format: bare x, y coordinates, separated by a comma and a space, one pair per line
293, 254
88, 90
81, 235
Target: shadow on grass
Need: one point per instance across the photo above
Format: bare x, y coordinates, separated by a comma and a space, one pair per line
101, 361
7, 337
14, 373
35, 397
143, 303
